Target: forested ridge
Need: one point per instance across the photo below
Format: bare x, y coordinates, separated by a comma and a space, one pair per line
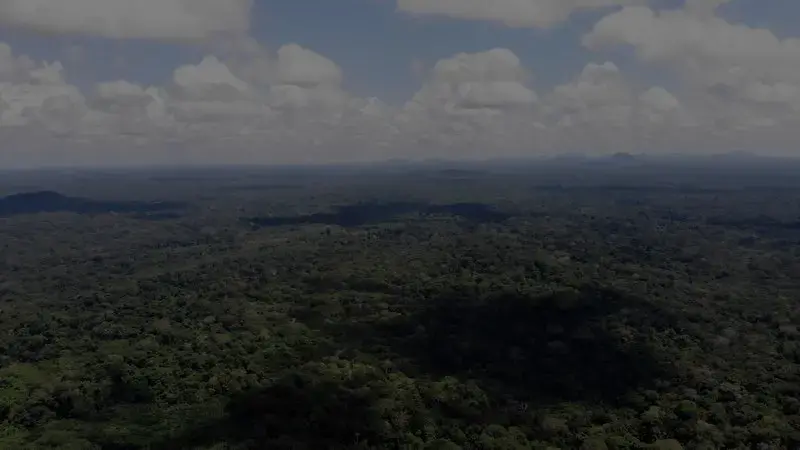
402, 311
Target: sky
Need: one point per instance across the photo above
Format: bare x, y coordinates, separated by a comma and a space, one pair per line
116, 82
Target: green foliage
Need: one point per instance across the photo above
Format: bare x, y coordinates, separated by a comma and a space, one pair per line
666, 444
589, 319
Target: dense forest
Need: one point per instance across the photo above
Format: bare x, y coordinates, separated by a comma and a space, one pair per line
561, 306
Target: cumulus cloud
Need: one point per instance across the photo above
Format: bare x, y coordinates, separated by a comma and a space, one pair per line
304, 78
708, 48
598, 86
659, 99
13, 67
126, 108
494, 79
187, 20
514, 13
37, 94
210, 96
209, 80
601, 111
739, 78
302, 67
704, 8
470, 101
245, 104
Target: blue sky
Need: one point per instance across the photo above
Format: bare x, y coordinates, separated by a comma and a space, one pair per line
375, 44
640, 75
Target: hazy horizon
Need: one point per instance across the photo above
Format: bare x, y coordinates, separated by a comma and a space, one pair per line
102, 83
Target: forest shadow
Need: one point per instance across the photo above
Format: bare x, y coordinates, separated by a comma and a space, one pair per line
582, 346
586, 346
299, 411
370, 213
49, 201
761, 223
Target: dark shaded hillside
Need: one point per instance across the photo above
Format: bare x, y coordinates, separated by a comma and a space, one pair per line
475, 212
547, 348
262, 187
49, 201
371, 213
759, 223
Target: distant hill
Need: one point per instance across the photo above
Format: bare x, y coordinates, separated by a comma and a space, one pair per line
50, 201
617, 159
623, 157
738, 154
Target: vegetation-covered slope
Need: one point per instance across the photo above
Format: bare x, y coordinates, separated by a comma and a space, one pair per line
566, 317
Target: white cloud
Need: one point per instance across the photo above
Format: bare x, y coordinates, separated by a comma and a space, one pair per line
595, 111
659, 99
704, 8
208, 93
470, 102
598, 86
493, 94
13, 67
498, 64
247, 59
209, 80
305, 79
706, 48
738, 79
188, 20
292, 78
298, 66
126, 108
289, 106
292, 96
494, 79
776, 93
38, 95
514, 13
120, 91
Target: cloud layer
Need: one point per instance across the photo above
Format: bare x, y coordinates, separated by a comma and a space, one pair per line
241, 103
514, 13
121, 19
744, 78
